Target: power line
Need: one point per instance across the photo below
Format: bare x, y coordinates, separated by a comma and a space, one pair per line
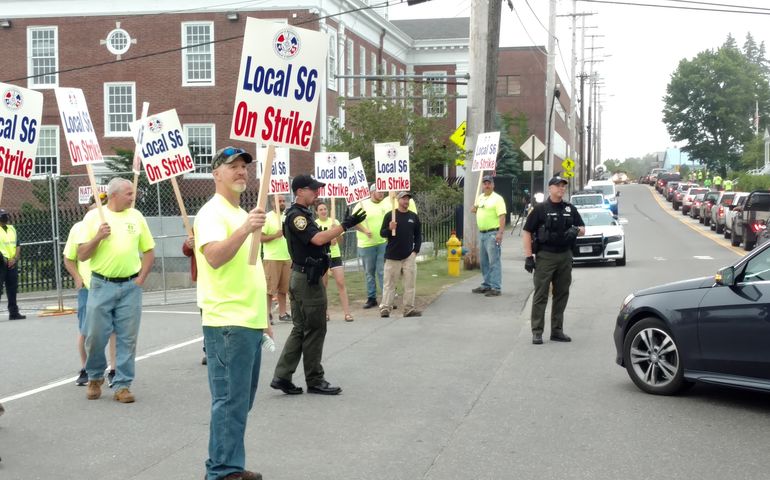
558, 44
677, 7
718, 4
179, 49
537, 59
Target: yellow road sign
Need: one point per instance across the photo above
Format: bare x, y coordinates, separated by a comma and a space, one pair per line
568, 164
567, 174
458, 137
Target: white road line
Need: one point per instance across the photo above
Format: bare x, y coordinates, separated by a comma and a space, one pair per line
702, 257
69, 381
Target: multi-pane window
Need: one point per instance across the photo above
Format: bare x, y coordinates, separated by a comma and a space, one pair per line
42, 57
434, 89
331, 137
47, 159
362, 70
402, 86
349, 70
200, 139
198, 53
384, 71
331, 68
508, 85
393, 82
374, 83
119, 111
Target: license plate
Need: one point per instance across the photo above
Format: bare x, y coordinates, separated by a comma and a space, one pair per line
586, 249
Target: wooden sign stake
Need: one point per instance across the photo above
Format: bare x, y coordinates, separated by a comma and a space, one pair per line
264, 186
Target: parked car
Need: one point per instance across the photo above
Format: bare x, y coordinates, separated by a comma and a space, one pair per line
694, 210
620, 177
603, 241
688, 198
710, 329
735, 208
678, 195
670, 189
607, 187
704, 213
664, 178
751, 219
719, 211
588, 199
653, 176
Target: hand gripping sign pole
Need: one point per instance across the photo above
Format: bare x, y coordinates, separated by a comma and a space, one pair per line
137, 166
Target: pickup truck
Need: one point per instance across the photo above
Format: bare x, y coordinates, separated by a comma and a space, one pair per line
750, 219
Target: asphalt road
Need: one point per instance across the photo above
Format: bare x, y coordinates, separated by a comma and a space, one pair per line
460, 393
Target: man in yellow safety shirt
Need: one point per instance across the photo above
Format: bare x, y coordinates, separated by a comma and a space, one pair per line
9, 272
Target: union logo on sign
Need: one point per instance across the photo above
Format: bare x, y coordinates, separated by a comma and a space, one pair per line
73, 99
392, 153
13, 99
286, 44
155, 125
331, 158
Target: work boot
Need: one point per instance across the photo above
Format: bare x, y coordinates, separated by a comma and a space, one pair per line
559, 336
124, 395
94, 389
537, 339
370, 302
481, 290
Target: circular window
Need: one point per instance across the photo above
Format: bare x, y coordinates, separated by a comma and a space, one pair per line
118, 41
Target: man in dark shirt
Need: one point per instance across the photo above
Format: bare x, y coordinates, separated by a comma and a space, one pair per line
400, 256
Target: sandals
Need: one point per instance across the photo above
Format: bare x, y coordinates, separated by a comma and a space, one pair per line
348, 317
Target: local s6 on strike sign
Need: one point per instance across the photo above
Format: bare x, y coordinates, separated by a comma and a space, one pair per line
358, 189
20, 115
391, 167
485, 152
278, 85
332, 169
162, 146
82, 142
279, 175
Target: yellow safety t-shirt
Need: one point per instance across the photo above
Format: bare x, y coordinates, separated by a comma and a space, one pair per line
118, 255
276, 249
8, 242
375, 212
71, 253
233, 294
334, 249
489, 209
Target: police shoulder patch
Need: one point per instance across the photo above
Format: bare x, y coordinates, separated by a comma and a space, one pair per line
567, 209
300, 222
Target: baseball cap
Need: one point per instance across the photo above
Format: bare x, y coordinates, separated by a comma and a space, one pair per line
557, 180
404, 194
305, 181
488, 178
372, 188
228, 154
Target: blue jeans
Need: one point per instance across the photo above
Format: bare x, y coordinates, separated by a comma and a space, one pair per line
374, 264
234, 355
82, 302
490, 260
112, 307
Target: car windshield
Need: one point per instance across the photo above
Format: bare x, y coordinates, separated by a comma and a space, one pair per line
605, 189
597, 219
582, 200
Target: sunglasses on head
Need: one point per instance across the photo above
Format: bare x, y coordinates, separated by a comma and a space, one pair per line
230, 151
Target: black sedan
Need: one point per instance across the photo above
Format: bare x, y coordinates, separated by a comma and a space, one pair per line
712, 329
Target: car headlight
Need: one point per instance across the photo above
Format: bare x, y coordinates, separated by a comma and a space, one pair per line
627, 300
614, 238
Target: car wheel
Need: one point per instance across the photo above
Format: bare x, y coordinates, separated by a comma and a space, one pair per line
719, 228
676, 206
747, 245
735, 240
652, 359
707, 221
701, 220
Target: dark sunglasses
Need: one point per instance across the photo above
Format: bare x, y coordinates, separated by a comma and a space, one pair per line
230, 151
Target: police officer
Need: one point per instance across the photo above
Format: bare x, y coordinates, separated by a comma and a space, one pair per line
549, 234
309, 251
9, 272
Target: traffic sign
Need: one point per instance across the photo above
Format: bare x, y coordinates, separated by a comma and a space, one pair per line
568, 174
568, 164
533, 147
458, 137
526, 165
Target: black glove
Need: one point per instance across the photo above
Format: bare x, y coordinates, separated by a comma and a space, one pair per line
572, 234
353, 219
529, 264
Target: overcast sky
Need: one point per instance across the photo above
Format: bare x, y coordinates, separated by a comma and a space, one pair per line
645, 44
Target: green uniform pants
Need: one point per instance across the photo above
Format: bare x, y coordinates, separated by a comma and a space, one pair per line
551, 269
306, 340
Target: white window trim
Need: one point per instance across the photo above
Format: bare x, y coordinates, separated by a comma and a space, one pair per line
55, 128
213, 126
30, 81
107, 132
373, 83
439, 73
362, 70
331, 76
350, 54
185, 81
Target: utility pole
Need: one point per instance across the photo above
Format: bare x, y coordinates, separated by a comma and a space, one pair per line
483, 49
550, 84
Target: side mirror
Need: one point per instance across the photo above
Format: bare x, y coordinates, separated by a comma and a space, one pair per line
725, 276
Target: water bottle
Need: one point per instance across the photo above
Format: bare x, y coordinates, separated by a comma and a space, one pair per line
268, 343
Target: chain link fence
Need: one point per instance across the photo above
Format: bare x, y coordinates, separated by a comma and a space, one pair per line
44, 210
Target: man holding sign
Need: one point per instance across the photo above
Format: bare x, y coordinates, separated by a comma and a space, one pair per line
121, 254
231, 296
490, 218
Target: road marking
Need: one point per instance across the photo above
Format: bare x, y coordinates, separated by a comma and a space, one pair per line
70, 380
660, 259
702, 257
692, 227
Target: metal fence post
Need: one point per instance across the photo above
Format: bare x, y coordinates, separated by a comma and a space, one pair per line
162, 247
54, 201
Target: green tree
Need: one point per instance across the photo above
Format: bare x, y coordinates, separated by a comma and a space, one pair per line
709, 104
146, 194
509, 156
753, 153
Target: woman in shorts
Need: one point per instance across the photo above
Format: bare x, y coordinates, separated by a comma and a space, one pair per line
338, 272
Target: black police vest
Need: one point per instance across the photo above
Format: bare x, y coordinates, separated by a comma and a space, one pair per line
557, 221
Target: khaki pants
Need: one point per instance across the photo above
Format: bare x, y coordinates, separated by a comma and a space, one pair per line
393, 270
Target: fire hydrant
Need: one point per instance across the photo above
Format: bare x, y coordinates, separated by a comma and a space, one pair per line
454, 254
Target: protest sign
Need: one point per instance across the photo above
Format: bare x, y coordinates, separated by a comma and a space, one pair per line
485, 151
358, 188
332, 169
20, 117
279, 174
278, 87
85, 192
391, 167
